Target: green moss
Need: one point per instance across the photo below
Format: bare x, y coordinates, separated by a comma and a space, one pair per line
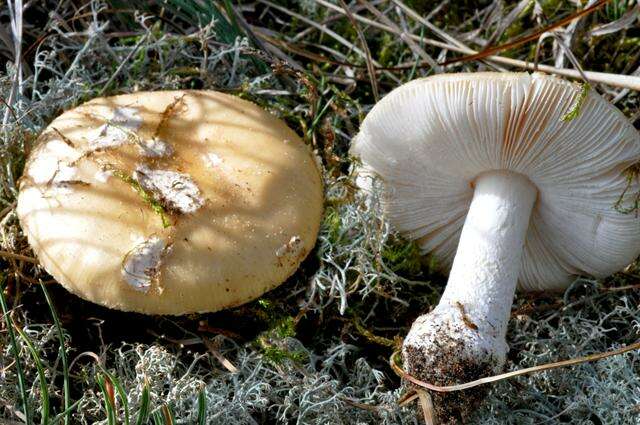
551, 7
575, 109
146, 196
273, 345
286, 327
376, 339
278, 355
333, 225
403, 257
387, 55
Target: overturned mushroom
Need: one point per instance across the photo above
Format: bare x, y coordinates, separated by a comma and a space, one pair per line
492, 174
170, 202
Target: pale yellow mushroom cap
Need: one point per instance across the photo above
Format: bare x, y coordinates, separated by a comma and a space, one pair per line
233, 201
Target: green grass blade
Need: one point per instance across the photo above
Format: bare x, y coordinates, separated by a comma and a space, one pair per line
232, 18
172, 416
226, 30
65, 412
158, 418
63, 356
319, 115
14, 348
44, 391
164, 415
193, 12
143, 413
202, 408
108, 404
121, 393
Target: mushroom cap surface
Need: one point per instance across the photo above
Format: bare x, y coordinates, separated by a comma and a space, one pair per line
170, 202
429, 139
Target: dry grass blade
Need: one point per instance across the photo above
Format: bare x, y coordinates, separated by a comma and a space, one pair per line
133, 51
572, 58
359, 405
302, 52
426, 405
90, 354
440, 33
621, 288
273, 50
320, 27
624, 22
213, 349
464, 386
615, 80
7, 254
522, 40
508, 20
367, 51
407, 397
15, 15
404, 36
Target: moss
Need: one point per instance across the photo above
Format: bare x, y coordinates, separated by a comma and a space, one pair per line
286, 327
577, 105
388, 50
278, 355
403, 257
333, 224
272, 343
146, 196
376, 339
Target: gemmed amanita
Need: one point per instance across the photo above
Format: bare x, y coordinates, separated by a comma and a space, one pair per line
509, 179
170, 202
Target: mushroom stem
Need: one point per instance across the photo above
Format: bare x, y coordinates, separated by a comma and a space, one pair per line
463, 338
485, 270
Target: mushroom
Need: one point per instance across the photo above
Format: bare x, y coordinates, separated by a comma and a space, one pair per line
170, 202
507, 179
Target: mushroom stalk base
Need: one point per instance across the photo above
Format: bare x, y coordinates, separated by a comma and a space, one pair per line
463, 338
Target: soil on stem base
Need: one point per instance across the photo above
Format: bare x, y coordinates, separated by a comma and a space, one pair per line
443, 357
